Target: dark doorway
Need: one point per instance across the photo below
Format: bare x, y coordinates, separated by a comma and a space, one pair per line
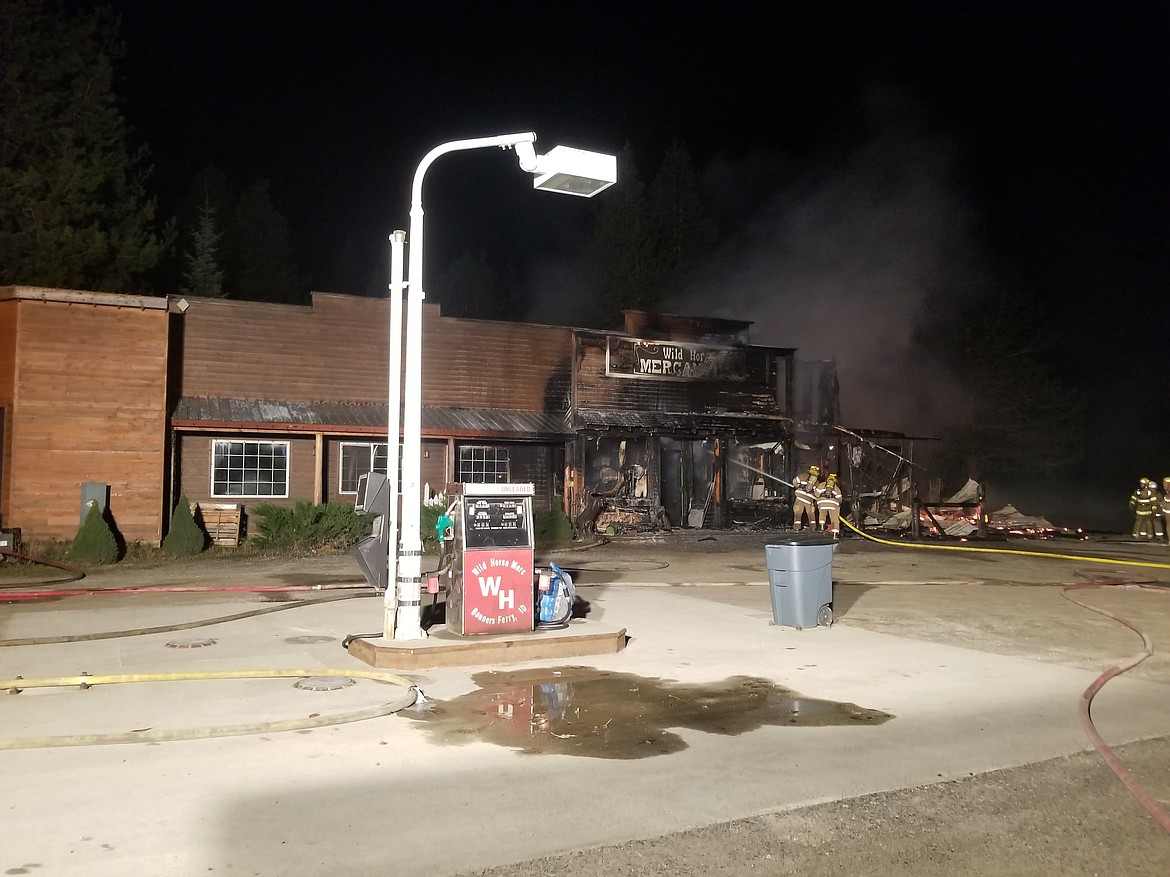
673, 500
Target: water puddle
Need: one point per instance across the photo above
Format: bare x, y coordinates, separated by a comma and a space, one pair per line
602, 714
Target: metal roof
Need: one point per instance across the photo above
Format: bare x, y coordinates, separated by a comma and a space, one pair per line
681, 422
202, 412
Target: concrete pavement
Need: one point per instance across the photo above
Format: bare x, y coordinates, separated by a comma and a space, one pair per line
979, 663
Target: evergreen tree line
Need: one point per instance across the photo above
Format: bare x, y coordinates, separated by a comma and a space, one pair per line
76, 212
234, 245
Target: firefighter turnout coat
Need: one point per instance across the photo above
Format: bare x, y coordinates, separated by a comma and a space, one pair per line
1144, 502
805, 487
829, 505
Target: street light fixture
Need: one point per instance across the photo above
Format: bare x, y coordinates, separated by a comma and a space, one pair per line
566, 170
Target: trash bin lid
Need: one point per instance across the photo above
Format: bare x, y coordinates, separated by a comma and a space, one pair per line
800, 537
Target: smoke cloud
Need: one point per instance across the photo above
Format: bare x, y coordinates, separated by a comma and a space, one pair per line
841, 260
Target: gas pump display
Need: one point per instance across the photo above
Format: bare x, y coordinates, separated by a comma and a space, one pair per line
491, 589
495, 523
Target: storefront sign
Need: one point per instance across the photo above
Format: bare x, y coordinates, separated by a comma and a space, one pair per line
498, 592
673, 361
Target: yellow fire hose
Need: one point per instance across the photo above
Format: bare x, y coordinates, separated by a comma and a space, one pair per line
981, 550
149, 735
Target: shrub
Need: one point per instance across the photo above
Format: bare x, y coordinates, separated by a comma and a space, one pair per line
185, 536
303, 527
95, 542
552, 528
431, 511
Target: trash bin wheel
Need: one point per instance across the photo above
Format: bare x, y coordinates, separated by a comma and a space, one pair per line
825, 616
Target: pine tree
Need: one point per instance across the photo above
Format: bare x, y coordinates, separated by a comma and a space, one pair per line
1020, 417
204, 275
263, 268
620, 250
185, 536
74, 211
647, 240
683, 233
95, 542
469, 287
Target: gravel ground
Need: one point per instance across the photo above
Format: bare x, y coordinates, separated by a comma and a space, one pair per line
1067, 816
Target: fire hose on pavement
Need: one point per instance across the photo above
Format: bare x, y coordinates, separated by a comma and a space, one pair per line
1084, 709
150, 735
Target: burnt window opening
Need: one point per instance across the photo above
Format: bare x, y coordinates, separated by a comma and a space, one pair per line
617, 466
756, 466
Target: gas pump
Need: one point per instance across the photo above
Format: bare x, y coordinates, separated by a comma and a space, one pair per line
490, 575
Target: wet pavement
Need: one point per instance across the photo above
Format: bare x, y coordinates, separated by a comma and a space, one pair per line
586, 712
940, 666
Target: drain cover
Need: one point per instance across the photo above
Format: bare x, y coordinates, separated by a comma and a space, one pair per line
324, 683
309, 640
190, 643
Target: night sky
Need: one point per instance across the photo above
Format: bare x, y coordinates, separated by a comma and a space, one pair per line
855, 155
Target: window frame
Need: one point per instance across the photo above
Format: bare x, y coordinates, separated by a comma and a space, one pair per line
496, 450
372, 447
216, 442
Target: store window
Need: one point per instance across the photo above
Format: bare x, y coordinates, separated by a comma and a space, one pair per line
358, 459
249, 468
483, 464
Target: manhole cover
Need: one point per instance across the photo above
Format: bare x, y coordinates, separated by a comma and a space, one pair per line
190, 643
324, 683
309, 640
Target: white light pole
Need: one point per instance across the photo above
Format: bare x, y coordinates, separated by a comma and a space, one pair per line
394, 389
571, 171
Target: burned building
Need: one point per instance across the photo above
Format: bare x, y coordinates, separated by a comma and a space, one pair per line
662, 413
669, 421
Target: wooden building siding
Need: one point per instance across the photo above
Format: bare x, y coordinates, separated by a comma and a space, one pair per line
9, 329
596, 390
90, 406
255, 350
485, 364
336, 350
194, 464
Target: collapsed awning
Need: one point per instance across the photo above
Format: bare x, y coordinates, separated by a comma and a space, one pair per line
681, 423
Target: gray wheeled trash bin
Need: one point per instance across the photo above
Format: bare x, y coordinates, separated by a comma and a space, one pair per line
800, 579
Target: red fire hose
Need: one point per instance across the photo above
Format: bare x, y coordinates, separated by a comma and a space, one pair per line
1115, 764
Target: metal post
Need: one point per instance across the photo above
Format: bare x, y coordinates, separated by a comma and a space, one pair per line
394, 395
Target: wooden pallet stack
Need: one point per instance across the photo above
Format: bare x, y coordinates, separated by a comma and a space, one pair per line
222, 522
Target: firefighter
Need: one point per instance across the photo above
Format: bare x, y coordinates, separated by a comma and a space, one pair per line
1165, 506
1144, 502
829, 505
805, 501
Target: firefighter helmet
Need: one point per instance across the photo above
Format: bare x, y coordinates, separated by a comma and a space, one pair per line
814, 470
833, 476
1144, 482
